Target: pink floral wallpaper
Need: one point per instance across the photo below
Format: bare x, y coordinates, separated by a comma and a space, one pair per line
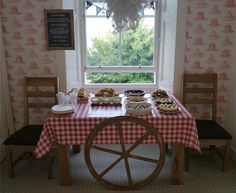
24, 45
211, 25
209, 40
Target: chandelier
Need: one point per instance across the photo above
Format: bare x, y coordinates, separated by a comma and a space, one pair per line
126, 13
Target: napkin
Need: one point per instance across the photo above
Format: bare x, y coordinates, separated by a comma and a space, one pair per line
61, 98
73, 98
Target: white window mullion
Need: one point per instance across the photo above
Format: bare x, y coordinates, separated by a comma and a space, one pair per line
157, 34
120, 50
82, 51
120, 69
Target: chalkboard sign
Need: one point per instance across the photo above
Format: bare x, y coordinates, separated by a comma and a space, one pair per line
59, 26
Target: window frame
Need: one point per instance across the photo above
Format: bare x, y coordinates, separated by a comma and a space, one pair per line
82, 54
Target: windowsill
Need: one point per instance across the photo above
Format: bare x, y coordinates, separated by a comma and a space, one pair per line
121, 88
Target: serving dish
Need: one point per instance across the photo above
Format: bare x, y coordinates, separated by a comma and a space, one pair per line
138, 109
128, 93
159, 93
106, 100
168, 108
166, 100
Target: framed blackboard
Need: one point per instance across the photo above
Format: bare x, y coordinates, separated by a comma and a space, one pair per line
59, 27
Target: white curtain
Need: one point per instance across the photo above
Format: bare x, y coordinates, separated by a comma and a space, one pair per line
6, 120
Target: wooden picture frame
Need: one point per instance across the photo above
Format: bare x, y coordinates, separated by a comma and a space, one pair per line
59, 28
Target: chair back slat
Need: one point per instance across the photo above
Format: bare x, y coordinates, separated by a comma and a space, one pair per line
199, 101
42, 81
204, 78
200, 89
40, 105
41, 94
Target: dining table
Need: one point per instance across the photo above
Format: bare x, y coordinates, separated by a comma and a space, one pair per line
178, 129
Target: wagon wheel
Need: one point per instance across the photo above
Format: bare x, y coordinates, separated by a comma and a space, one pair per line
126, 154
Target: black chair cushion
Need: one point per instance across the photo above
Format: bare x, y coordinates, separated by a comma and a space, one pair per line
209, 129
28, 135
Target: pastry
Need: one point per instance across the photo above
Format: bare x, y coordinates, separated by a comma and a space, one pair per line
159, 93
83, 94
168, 108
106, 92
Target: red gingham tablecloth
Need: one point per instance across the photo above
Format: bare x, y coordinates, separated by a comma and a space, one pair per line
72, 129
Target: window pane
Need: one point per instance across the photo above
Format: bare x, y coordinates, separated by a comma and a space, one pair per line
102, 44
137, 46
98, 78
106, 47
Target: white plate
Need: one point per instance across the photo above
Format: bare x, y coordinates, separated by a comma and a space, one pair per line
63, 109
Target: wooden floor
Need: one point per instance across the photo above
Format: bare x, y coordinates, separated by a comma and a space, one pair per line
205, 176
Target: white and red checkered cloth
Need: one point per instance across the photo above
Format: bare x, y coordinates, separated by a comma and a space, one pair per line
72, 129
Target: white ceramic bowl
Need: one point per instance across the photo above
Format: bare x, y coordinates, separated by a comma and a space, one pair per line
138, 109
95, 100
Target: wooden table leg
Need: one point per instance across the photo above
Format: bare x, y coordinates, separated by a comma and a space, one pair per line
64, 165
177, 172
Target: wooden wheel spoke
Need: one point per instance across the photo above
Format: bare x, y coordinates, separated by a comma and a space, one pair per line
138, 142
121, 139
144, 158
124, 155
110, 167
128, 171
105, 150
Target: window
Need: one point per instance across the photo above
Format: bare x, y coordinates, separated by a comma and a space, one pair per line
116, 58
85, 63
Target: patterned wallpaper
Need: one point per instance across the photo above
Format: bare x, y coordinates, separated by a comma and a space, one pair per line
25, 49
209, 40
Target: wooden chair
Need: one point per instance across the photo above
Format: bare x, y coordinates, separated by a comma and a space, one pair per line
202, 89
125, 153
25, 139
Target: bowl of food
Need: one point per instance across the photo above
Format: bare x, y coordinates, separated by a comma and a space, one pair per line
95, 100
138, 109
136, 99
128, 93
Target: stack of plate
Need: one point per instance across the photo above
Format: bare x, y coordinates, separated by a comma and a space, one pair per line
63, 109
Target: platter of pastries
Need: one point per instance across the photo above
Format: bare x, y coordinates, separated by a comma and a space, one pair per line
106, 96
106, 92
159, 93
168, 108
166, 100
83, 94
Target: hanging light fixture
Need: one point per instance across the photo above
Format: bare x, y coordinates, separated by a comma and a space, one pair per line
126, 13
